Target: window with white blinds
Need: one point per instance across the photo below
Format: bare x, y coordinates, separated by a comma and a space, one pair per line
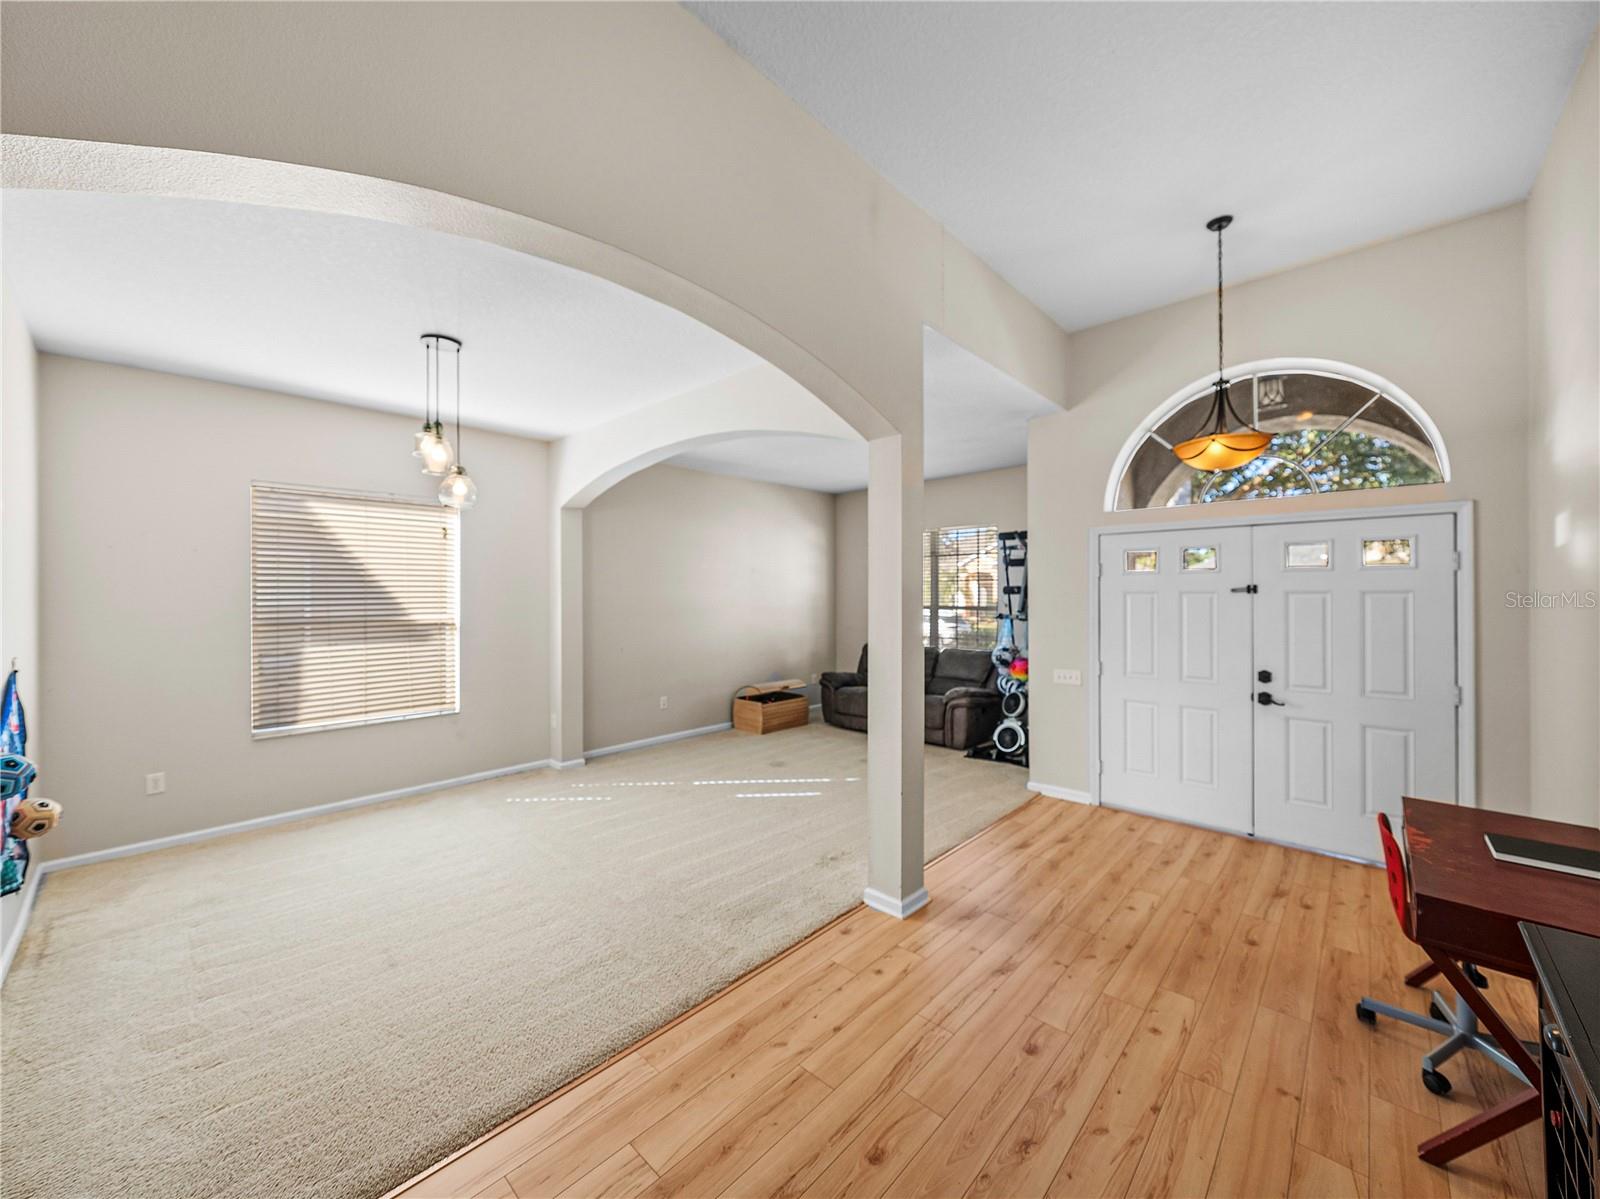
960, 588
354, 609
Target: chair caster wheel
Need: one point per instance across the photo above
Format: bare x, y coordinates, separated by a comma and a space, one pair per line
1435, 1082
1475, 975
1437, 1012
1366, 1015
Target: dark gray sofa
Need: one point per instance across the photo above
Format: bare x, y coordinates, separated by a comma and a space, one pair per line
961, 702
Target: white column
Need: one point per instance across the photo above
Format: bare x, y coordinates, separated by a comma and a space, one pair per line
894, 667
566, 636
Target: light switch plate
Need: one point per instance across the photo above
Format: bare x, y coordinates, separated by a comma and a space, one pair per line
1072, 678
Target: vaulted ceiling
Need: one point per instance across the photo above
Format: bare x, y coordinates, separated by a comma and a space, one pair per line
1079, 148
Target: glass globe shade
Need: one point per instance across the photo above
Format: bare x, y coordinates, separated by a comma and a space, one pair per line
436, 453
458, 490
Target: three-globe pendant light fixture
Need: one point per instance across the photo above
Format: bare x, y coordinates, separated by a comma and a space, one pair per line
438, 457
1215, 447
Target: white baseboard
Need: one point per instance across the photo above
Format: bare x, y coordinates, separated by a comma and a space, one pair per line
1054, 792
890, 906
661, 740
569, 764
242, 826
30, 888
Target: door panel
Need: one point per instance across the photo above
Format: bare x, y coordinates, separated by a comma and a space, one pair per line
1197, 746
1364, 642
1198, 655
1140, 738
1309, 641
1387, 758
1141, 636
1310, 773
1175, 684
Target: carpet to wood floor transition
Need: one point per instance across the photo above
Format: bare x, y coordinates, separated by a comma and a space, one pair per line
326, 1008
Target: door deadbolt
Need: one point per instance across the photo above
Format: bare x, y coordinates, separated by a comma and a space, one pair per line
1263, 676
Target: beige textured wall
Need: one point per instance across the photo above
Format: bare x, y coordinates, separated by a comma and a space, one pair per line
1440, 314
990, 497
146, 535
19, 548
1564, 460
19, 499
695, 584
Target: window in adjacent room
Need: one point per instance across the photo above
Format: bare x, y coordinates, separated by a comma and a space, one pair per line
960, 593
354, 609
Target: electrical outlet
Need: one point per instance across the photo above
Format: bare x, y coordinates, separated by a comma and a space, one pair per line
1072, 678
663, 703
155, 784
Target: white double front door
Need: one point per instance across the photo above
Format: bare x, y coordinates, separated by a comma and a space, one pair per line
1285, 680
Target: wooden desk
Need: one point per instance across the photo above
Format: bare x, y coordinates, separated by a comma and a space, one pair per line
1465, 907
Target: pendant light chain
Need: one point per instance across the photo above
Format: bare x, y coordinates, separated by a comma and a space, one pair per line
1214, 446
432, 447
458, 403
1219, 302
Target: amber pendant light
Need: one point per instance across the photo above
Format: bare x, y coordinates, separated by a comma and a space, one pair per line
1216, 446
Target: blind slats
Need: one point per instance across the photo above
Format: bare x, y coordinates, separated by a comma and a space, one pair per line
960, 587
354, 609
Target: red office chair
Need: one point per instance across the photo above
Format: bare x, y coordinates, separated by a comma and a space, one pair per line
1458, 1025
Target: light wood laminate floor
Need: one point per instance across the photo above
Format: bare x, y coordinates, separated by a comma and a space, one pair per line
1094, 1003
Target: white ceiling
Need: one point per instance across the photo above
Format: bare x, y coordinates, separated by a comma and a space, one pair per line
1080, 148
976, 418
819, 463
332, 307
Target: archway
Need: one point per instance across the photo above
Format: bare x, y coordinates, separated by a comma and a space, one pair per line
895, 764
65, 165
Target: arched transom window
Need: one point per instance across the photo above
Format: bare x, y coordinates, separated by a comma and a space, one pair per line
1334, 428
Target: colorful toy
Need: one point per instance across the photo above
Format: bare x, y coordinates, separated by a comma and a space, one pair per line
16, 775
1019, 669
34, 817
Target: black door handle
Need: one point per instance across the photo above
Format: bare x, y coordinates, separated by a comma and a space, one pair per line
1264, 698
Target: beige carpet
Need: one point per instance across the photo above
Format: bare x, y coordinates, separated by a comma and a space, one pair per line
324, 1009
